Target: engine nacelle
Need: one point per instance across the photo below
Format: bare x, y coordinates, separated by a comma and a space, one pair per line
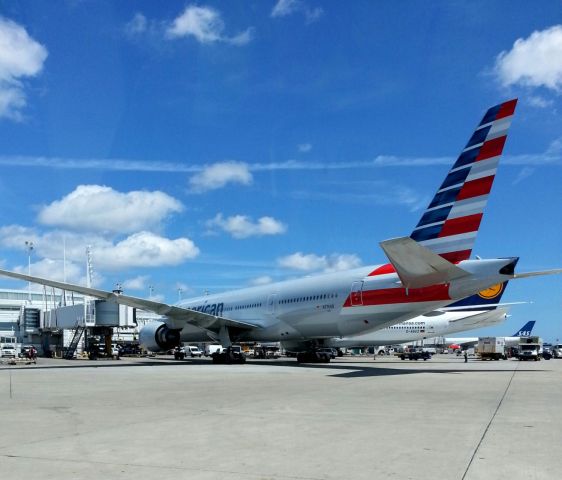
157, 337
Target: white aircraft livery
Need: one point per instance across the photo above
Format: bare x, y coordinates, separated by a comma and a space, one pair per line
428, 270
466, 342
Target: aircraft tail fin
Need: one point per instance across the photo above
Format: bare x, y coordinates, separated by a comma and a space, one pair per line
525, 330
417, 266
450, 223
488, 299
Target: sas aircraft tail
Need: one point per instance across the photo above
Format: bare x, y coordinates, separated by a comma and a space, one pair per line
525, 330
449, 225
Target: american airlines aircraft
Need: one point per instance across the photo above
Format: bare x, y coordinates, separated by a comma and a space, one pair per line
428, 270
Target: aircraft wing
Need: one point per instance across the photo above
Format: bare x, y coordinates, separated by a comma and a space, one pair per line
176, 313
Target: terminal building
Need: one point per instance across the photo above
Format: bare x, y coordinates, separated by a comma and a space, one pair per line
58, 324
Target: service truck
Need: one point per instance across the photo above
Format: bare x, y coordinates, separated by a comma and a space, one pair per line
529, 348
491, 348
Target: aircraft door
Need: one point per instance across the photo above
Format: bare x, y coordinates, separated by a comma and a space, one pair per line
357, 293
271, 303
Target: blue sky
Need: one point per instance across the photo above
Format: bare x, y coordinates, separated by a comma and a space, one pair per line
214, 145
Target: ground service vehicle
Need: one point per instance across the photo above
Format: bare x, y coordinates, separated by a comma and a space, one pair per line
8, 351
491, 348
229, 355
530, 348
193, 351
414, 354
557, 350
210, 349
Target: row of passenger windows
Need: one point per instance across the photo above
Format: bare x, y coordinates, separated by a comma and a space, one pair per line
242, 307
407, 326
311, 298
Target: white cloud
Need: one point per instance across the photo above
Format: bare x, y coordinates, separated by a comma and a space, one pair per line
137, 25
142, 249
206, 25
145, 249
20, 56
539, 102
54, 269
284, 8
137, 283
218, 175
241, 226
263, 280
100, 208
312, 262
535, 61
304, 147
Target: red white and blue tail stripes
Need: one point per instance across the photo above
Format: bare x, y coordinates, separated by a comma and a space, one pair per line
450, 223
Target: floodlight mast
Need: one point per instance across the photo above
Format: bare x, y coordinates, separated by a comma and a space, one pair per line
29, 247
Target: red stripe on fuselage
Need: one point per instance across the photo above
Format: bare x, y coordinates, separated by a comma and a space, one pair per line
456, 226
491, 148
387, 296
475, 188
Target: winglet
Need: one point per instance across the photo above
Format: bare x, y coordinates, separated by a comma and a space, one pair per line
418, 266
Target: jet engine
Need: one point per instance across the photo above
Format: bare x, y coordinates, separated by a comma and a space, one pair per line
157, 336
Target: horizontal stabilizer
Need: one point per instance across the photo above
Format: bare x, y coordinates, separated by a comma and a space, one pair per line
418, 266
538, 274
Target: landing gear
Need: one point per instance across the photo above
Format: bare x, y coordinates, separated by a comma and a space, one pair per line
179, 353
312, 356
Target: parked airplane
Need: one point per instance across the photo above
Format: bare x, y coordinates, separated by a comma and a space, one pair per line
427, 271
477, 311
466, 342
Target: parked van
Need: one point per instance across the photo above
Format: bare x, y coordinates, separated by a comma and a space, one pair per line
210, 349
193, 351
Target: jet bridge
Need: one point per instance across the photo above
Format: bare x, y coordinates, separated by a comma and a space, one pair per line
79, 323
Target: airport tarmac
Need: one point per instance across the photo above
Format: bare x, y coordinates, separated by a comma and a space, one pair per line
353, 418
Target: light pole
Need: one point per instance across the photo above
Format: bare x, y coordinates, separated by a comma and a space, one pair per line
150, 291
180, 290
29, 248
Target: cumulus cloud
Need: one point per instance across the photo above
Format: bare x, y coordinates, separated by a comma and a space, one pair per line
206, 25
54, 269
304, 147
142, 249
284, 8
218, 175
145, 249
311, 262
241, 226
20, 56
100, 208
535, 61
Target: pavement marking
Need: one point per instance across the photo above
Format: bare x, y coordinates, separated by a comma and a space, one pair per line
490, 422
